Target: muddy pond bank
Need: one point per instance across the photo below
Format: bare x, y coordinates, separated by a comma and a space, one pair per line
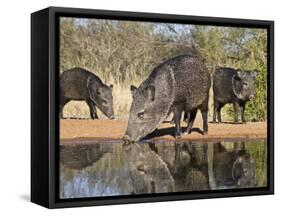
83, 130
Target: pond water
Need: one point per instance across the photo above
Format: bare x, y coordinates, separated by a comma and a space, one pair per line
110, 169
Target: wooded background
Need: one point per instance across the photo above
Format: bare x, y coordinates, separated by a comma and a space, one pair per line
125, 52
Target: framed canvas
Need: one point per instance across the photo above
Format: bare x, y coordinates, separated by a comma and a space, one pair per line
139, 107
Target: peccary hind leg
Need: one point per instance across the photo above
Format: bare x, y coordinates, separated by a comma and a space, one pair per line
186, 116
63, 101
217, 112
177, 119
235, 108
190, 122
243, 113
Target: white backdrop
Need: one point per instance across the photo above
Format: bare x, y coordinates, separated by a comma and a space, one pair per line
15, 106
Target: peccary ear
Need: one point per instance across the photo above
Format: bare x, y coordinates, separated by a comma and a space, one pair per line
150, 92
111, 87
239, 74
133, 90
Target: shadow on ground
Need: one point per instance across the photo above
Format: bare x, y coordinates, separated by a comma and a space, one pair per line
170, 131
227, 122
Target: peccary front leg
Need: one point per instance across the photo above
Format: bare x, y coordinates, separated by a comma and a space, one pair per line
235, 108
177, 119
204, 112
94, 114
205, 121
186, 116
243, 113
190, 122
93, 110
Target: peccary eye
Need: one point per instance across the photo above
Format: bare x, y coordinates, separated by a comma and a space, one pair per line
141, 115
104, 102
245, 83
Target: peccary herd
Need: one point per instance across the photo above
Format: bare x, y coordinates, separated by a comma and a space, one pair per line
178, 85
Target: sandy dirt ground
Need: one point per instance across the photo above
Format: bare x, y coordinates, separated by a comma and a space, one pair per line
85, 130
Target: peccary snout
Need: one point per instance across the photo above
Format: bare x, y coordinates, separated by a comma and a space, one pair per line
252, 97
102, 97
127, 139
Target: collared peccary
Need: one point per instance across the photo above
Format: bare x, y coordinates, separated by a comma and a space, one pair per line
80, 84
232, 86
178, 85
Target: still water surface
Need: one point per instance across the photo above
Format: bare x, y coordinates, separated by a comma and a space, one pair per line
110, 169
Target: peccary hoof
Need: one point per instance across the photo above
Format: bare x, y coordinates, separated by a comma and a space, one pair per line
205, 133
178, 136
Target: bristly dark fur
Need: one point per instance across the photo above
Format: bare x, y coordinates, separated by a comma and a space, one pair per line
80, 84
232, 86
180, 84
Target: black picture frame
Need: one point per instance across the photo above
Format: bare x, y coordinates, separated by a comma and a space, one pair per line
45, 100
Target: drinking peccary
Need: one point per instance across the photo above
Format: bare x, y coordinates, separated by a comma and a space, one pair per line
178, 85
80, 84
232, 86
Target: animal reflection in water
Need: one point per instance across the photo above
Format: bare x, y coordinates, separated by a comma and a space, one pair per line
109, 169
